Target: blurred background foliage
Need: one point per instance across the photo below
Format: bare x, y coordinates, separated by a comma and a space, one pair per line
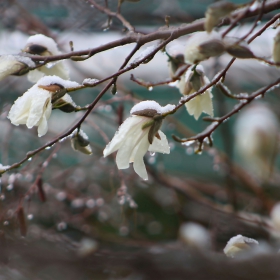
82, 201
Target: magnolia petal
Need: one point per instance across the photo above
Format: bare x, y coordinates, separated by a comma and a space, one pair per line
160, 145
43, 126
19, 111
194, 108
128, 127
139, 165
58, 69
38, 105
206, 103
128, 149
35, 75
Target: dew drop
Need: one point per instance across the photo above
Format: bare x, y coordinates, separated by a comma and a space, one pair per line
152, 154
6, 223
150, 88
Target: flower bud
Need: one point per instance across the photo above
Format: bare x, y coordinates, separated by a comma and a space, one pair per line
80, 142
276, 48
238, 49
174, 63
202, 45
239, 244
216, 12
65, 104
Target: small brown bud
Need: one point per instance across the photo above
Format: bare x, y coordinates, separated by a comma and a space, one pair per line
237, 48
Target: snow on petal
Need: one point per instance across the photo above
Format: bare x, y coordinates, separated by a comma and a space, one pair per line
237, 244
13, 65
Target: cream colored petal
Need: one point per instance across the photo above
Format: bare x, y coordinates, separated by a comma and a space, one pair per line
20, 110
126, 151
206, 103
194, 107
132, 126
58, 69
43, 126
38, 107
160, 145
138, 164
35, 75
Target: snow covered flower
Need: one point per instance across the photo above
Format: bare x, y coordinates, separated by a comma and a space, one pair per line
202, 45
256, 132
14, 65
137, 135
44, 46
193, 80
80, 142
239, 244
34, 107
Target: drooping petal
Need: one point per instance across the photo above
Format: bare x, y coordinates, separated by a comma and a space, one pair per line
160, 145
126, 152
139, 165
129, 127
194, 107
37, 107
206, 103
43, 126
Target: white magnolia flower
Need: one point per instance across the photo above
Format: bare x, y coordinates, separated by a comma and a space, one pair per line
137, 135
202, 45
256, 132
239, 244
14, 65
35, 106
192, 82
44, 46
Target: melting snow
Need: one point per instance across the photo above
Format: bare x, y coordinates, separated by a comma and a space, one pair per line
49, 80
152, 105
